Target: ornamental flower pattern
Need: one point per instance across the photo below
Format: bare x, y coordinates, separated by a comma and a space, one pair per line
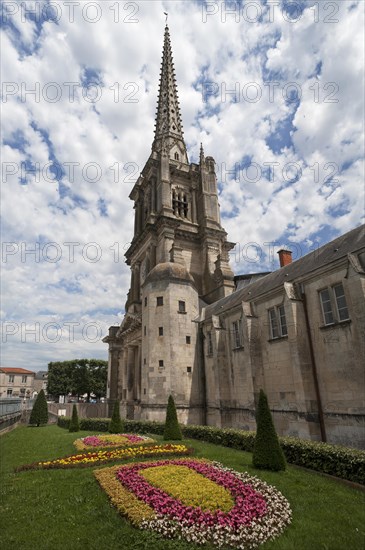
248, 503
259, 513
102, 457
111, 440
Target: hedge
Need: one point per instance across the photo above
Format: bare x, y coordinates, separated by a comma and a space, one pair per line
330, 459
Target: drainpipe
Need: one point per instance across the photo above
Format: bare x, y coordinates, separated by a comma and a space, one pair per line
314, 368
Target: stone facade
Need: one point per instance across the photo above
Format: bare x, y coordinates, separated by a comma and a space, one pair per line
312, 368
40, 382
211, 340
16, 382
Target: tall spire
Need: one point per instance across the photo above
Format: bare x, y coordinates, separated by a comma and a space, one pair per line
168, 131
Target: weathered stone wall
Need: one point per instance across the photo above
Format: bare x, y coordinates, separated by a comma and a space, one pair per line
283, 366
181, 372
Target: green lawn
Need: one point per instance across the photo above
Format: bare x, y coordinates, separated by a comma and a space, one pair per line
65, 509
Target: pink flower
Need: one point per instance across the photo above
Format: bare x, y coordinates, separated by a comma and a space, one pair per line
248, 503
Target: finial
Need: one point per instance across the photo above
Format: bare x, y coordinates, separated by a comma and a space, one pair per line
201, 153
167, 16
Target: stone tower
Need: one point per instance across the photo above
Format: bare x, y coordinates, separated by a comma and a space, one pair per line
179, 258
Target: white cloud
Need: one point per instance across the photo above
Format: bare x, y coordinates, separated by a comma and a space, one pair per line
126, 56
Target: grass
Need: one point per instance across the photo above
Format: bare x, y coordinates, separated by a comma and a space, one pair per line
64, 509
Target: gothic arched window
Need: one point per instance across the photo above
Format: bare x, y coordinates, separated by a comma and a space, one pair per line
180, 204
174, 203
185, 206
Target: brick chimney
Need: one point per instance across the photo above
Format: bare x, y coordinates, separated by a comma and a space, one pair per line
284, 257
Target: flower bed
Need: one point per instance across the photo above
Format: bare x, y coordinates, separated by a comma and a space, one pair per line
197, 500
102, 457
111, 440
327, 458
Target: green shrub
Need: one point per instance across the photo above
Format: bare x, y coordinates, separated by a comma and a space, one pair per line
335, 460
74, 424
63, 422
116, 425
144, 427
323, 457
267, 453
172, 429
39, 414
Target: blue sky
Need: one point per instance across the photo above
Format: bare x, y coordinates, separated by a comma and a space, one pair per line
274, 90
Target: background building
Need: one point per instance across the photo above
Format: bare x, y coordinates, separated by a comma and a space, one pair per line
15, 382
40, 381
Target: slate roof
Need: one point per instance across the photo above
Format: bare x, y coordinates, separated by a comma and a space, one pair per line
331, 252
41, 374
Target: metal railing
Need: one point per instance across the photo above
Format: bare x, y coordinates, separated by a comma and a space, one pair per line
10, 405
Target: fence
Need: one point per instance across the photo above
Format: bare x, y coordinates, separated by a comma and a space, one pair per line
84, 410
10, 412
13, 410
10, 406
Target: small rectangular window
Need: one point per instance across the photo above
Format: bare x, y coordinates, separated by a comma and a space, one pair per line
182, 307
144, 330
343, 312
11, 378
273, 323
160, 331
188, 339
9, 393
24, 379
188, 369
282, 321
237, 334
333, 304
144, 391
160, 300
144, 361
145, 301
277, 319
326, 307
160, 363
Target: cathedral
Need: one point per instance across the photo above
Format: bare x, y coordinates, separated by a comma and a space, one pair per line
211, 339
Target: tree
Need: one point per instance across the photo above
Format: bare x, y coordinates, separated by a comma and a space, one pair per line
59, 380
172, 429
267, 453
39, 414
116, 425
74, 424
78, 377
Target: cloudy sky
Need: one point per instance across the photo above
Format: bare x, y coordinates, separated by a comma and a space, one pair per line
274, 90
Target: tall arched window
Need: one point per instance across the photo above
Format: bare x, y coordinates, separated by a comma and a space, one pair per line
180, 204
185, 207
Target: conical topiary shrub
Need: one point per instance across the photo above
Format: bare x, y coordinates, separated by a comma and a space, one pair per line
74, 424
39, 414
116, 425
172, 428
267, 453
